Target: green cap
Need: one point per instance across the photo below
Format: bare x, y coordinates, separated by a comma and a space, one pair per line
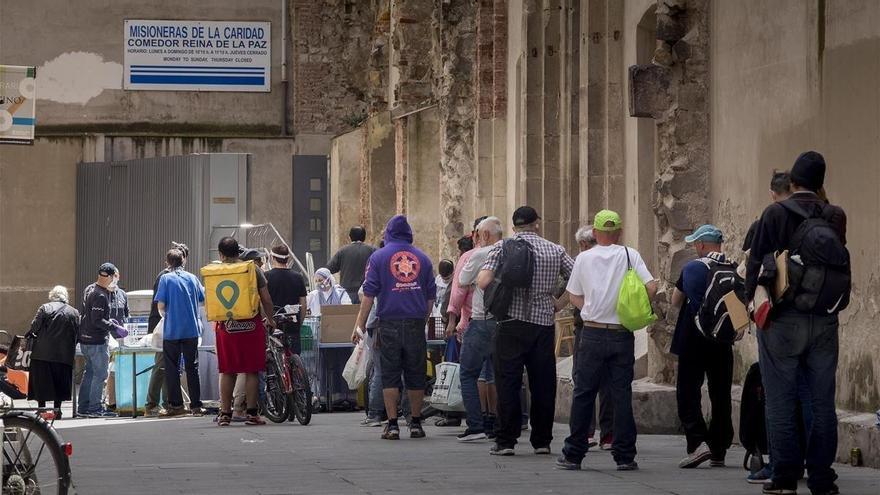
607, 221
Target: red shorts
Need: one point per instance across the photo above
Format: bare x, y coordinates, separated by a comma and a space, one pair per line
242, 347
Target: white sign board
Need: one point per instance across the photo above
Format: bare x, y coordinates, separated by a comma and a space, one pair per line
17, 117
197, 55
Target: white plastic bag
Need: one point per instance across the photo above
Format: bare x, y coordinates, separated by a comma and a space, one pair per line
158, 334
446, 395
358, 364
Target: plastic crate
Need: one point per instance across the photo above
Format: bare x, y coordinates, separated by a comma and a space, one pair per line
435, 330
307, 334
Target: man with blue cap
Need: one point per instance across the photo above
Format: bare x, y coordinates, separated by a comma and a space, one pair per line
701, 359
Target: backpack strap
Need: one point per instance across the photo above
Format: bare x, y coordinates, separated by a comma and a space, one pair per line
628, 263
793, 206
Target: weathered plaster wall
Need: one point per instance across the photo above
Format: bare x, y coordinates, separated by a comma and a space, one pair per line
38, 226
345, 158
423, 180
787, 78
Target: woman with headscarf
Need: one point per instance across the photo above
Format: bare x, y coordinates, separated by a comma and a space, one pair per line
54, 330
328, 293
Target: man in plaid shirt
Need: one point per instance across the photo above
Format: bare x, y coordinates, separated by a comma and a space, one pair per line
526, 338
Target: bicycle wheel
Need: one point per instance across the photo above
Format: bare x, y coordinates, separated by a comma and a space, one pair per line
275, 404
33, 460
301, 398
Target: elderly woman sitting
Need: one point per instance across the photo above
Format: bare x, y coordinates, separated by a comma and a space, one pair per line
328, 293
54, 331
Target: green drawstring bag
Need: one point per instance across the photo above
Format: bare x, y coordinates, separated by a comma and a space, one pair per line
633, 305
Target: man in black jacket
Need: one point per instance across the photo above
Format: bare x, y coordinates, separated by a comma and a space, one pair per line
95, 329
798, 342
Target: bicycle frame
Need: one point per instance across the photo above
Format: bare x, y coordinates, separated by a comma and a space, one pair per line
276, 347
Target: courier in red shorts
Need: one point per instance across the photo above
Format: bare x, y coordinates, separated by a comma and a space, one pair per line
241, 342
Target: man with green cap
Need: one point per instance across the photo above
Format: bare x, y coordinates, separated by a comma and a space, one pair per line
605, 345
701, 359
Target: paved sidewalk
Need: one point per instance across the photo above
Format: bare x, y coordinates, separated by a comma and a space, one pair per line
335, 456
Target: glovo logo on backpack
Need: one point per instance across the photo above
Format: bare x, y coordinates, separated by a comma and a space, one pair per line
231, 291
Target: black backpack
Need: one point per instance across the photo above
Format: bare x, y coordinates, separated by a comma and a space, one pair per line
752, 419
819, 278
713, 320
515, 271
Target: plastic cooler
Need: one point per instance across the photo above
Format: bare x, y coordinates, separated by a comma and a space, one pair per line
142, 361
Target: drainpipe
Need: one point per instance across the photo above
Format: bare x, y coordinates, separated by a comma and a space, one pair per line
284, 83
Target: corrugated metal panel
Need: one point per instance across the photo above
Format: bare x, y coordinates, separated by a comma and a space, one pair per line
129, 212
92, 218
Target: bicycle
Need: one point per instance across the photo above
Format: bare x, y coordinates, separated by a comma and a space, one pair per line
35, 458
288, 390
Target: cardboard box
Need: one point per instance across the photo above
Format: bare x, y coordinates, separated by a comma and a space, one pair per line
337, 323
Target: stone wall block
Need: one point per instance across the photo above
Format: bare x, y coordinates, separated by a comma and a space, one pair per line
648, 90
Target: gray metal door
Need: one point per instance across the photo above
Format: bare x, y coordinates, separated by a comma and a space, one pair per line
310, 208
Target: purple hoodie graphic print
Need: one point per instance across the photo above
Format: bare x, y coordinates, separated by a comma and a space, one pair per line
400, 275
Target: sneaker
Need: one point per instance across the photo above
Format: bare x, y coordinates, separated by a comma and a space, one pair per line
254, 420
105, 414
471, 436
759, 478
525, 425
370, 422
239, 418
392, 432
223, 419
831, 490
697, 457
499, 450
416, 430
717, 463
628, 466
606, 442
774, 488
442, 422
172, 412
565, 464
591, 442
542, 450
197, 412
151, 412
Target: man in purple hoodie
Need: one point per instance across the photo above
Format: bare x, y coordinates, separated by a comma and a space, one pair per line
402, 277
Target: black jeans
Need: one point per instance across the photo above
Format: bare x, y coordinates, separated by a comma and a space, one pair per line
798, 344
189, 349
517, 344
606, 407
603, 351
711, 361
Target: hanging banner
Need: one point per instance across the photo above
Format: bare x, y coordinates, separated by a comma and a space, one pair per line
17, 104
197, 56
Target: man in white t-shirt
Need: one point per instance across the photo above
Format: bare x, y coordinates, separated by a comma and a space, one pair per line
605, 345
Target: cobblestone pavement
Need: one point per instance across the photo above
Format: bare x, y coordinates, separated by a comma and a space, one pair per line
336, 456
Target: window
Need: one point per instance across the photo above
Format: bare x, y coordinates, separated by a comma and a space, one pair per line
314, 244
315, 224
315, 184
315, 204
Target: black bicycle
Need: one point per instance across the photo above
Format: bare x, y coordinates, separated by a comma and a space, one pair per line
288, 393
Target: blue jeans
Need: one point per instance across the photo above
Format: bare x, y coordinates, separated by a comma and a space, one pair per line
476, 351
603, 351
798, 343
91, 390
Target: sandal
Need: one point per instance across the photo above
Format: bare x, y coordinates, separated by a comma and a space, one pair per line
224, 419
254, 420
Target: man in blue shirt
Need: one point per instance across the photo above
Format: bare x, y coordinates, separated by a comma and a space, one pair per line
699, 359
178, 298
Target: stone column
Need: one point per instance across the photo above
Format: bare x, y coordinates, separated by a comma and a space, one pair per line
674, 90
456, 109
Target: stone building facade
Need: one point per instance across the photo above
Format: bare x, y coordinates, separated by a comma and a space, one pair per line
673, 112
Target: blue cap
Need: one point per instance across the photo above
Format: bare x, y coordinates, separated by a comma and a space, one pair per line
706, 233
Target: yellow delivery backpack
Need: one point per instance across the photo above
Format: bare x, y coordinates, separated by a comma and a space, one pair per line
231, 291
